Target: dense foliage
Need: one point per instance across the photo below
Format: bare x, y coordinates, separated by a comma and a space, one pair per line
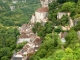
8, 38
49, 45
39, 28
52, 48
21, 13
63, 1
9, 20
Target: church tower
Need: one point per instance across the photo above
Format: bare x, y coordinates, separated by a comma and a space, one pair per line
45, 3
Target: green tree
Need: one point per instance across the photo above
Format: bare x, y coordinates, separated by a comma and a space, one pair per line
77, 26
68, 6
49, 45
64, 20
63, 1
4, 58
5, 52
52, 14
58, 29
71, 38
36, 27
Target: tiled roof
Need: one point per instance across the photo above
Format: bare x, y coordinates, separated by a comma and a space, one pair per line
25, 48
32, 36
31, 51
42, 9
23, 36
37, 40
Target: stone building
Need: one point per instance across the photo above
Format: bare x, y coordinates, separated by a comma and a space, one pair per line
61, 14
40, 15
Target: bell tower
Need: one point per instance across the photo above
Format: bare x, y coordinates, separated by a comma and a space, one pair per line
45, 3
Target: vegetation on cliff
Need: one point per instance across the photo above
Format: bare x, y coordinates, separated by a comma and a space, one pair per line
9, 20
52, 48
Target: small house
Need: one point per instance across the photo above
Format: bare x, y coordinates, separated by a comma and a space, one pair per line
23, 38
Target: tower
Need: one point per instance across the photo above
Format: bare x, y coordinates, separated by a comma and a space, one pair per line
45, 3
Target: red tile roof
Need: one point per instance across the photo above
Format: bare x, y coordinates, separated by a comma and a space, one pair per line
37, 41
23, 36
25, 48
42, 9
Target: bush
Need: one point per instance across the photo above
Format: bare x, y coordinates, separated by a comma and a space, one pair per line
58, 29
68, 6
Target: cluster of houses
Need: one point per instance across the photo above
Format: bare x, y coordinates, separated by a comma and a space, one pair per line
29, 49
26, 35
32, 43
32, 40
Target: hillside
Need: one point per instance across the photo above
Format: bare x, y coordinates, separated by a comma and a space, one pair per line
10, 20
56, 39
61, 33
22, 11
